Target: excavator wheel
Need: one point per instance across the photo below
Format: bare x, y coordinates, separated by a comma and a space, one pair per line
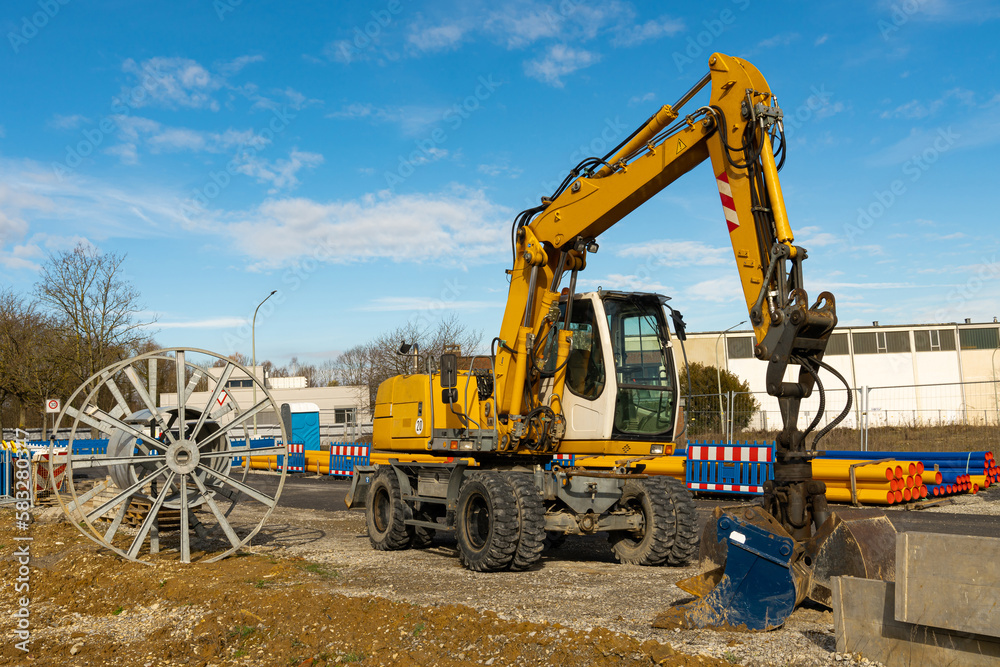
486, 522
650, 545
422, 537
531, 513
685, 522
385, 514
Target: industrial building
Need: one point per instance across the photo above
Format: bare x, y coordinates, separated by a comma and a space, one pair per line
902, 374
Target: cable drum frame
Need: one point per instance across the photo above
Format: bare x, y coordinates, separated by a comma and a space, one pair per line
183, 470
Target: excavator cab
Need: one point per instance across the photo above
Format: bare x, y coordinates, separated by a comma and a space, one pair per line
621, 379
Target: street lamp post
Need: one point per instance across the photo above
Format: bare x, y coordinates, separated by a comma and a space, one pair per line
718, 373
253, 352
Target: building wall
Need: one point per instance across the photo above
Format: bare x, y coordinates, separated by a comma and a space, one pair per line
903, 386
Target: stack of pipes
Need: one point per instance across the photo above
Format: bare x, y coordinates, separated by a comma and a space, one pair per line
876, 483
943, 473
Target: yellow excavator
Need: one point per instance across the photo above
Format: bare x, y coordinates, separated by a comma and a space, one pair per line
477, 450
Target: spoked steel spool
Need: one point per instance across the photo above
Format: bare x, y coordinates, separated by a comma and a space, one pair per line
178, 479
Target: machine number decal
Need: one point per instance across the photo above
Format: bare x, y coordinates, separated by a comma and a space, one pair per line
419, 426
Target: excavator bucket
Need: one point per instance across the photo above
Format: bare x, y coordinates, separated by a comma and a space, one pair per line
754, 591
753, 574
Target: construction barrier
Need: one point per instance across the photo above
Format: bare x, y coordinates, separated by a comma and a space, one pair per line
343, 458
14, 459
561, 460
722, 468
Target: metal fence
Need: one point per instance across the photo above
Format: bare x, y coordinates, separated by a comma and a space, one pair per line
966, 412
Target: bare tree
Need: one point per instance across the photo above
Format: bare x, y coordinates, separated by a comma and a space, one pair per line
97, 308
372, 363
32, 366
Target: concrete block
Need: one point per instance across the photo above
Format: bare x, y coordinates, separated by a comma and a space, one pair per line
949, 581
865, 623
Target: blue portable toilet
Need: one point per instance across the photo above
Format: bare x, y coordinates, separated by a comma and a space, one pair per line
302, 423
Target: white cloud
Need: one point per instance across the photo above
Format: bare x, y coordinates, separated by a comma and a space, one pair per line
650, 30
172, 83
136, 131
821, 40
640, 99
667, 252
391, 304
627, 283
715, 290
234, 66
814, 237
72, 122
281, 173
436, 38
412, 120
915, 109
209, 323
782, 39
450, 228
558, 61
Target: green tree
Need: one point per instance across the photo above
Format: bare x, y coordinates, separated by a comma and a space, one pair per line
702, 411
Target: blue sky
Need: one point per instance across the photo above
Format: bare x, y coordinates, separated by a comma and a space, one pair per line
367, 159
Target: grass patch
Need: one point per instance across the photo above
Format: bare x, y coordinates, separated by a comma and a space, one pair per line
118, 611
260, 583
418, 629
242, 631
353, 656
319, 569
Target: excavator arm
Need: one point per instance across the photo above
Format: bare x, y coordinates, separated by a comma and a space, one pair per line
737, 131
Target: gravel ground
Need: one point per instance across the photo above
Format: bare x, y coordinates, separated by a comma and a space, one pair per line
313, 592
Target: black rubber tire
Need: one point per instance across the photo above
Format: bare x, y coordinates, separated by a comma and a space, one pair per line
684, 520
486, 522
555, 540
385, 514
652, 544
422, 537
531, 516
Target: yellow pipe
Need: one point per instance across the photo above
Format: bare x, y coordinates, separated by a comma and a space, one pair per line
865, 496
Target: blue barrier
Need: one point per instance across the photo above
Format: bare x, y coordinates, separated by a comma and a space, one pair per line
343, 458
722, 468
8, 468
81, 446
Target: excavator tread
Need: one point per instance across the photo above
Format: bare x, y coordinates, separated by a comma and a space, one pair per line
531, 511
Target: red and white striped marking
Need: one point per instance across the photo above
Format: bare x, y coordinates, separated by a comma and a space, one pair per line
718, 453
347, 450
728, 205
732, 488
